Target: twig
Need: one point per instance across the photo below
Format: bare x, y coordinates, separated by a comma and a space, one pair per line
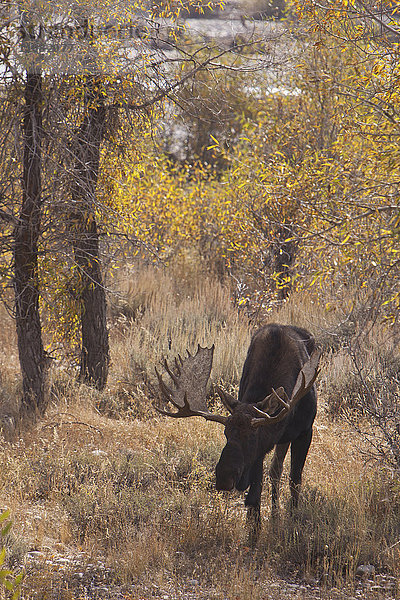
75, 422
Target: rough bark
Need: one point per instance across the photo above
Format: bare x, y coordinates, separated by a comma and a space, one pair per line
26, 234
94, 359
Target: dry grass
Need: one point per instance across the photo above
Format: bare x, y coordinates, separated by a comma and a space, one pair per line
128, 503
157, 317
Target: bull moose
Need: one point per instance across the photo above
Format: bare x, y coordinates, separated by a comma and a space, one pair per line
276, 407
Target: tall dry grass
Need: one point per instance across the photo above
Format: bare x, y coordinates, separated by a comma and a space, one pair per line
157, 316
169, 317
135, 492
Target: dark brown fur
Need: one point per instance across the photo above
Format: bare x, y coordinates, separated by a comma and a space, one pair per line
275, 357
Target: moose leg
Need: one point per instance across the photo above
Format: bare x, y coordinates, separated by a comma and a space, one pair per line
298, 451
275, 473
253, 501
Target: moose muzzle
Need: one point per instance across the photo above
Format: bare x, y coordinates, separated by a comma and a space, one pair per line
229, 468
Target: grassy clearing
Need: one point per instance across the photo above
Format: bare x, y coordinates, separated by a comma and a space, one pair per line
128, 496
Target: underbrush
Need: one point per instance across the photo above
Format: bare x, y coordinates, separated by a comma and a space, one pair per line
157, 317
136, 491
329, 536
142, 496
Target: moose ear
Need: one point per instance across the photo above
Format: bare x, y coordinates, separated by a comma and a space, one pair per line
227, 400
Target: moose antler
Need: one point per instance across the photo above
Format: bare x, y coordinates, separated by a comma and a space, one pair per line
190, 381
304, 382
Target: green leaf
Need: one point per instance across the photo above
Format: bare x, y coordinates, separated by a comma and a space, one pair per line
2, 556
9, 585
4, 515
4, 573
6, 529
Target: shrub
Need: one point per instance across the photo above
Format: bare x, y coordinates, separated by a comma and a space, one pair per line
10, 582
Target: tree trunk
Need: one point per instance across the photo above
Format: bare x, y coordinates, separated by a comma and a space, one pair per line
284, 255
94, 360
29, 332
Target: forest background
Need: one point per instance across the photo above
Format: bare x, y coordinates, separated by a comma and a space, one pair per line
160, 188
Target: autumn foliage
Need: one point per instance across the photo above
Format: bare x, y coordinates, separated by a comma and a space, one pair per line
307, 198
